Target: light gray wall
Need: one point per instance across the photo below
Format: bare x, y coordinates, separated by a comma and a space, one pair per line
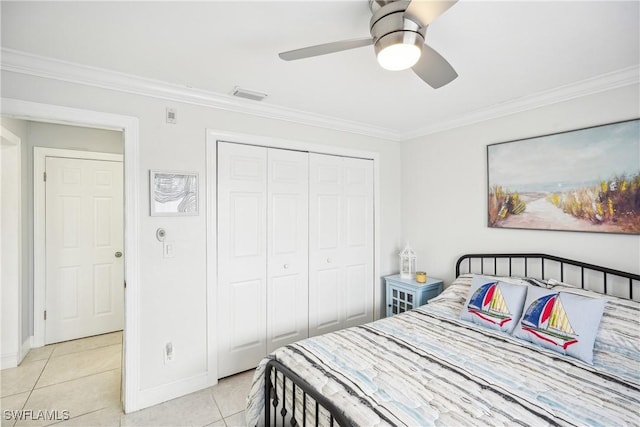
173, 291
444, 179
51, 135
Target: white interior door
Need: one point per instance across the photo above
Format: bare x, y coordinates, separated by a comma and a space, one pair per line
242, 256
341, 243
287, 256
84, 243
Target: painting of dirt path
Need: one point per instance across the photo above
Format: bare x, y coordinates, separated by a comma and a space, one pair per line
542, 214
582, 180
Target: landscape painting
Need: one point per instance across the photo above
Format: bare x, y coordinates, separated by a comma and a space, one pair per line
582, 180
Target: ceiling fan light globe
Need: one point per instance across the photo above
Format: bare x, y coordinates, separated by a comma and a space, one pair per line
399, 50
399, 56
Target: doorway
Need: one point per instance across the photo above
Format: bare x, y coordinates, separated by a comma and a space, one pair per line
128, 126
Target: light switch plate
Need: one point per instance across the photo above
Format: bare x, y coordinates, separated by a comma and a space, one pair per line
168, 249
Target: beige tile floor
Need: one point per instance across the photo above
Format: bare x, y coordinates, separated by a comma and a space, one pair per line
83, 377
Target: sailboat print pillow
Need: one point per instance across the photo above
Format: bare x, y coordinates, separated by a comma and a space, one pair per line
561, 321
494, 304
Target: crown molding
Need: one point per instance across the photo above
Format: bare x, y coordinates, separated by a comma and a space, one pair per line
25, 63
35, 65
604, 82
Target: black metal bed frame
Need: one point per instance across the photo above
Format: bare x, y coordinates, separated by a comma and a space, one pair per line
276, 412
544, 260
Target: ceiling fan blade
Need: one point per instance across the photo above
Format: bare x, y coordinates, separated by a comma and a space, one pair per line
323, 49
424, 12
434, 69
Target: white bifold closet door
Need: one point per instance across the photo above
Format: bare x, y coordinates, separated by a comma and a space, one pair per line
341, 242
287, 247
262, 252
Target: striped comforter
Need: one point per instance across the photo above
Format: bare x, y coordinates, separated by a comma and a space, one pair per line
426, 367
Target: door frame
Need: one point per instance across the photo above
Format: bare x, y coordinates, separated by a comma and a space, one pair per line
40, 155
13, 307
212, 137
129, 125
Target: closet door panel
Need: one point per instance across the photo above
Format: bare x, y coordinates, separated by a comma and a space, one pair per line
325, 305
358, 241
340, 243
242, 256
356, 290
245, 324
288, 247
325, 242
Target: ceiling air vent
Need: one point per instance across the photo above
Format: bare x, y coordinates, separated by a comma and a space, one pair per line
248, 94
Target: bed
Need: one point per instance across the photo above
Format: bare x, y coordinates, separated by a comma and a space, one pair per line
429, 367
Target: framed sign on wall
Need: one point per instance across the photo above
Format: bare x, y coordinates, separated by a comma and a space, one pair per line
173, 193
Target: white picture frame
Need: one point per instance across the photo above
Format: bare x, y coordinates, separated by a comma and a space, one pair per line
173, 193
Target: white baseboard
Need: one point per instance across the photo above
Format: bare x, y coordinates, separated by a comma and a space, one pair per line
9, 360
162, 393
26, 347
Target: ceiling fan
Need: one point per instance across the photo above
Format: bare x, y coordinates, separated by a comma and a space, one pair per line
398, 29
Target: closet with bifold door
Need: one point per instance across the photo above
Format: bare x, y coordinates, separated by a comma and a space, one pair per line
295, 248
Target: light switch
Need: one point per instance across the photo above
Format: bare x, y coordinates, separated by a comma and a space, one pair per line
167, 249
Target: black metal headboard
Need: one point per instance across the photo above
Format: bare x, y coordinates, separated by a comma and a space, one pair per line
542, 266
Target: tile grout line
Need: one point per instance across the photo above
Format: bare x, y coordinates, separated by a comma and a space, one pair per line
78, 378
35, 382
87, 349
85, 376
48, 359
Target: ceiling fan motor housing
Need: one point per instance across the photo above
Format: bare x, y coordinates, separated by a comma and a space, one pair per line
390, 26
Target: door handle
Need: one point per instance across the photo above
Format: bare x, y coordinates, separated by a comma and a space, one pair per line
118, 254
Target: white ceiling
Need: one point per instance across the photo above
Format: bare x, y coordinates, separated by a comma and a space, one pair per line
503, 51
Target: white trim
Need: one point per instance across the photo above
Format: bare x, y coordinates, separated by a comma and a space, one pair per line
40, 155
162, 393
11, 137
26, 347
26, 63
12, 360
213, 136
129, 126
604, 82
8, 360
211, 188
267, 141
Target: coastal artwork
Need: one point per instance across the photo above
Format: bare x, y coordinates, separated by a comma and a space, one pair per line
582, 180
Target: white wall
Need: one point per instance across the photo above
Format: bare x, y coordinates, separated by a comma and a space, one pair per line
444, 181
10, 247
19, 128
173, 290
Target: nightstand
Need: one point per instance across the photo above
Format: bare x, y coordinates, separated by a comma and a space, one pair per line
406, 294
